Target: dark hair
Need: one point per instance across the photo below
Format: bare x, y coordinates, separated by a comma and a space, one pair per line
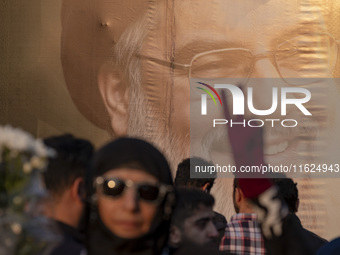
184, 168
235, 183
188, 201
71, 161
289, 192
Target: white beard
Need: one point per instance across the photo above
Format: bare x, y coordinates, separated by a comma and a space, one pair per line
144, 124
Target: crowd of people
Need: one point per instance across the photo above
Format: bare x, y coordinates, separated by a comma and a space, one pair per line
121, 199
122, 66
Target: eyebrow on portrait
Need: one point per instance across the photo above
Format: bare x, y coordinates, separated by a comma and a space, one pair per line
184, 54
303, 28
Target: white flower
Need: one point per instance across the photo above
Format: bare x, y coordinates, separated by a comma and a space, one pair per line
37, 162
19, 142
17, 200
27, 168
16, 228
43, 151
16, 139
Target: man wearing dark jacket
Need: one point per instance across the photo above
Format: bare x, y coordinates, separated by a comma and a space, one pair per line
64, 180
183, 179
290, 194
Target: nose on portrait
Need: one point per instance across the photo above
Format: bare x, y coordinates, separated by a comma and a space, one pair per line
264, 78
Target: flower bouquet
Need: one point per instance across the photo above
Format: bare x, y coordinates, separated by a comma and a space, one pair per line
22, 160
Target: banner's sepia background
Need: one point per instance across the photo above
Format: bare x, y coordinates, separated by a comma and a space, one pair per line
33, 95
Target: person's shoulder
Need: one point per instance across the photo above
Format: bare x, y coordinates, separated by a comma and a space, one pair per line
71, 243
331, 248
67, 248
242, 217
220, 221
314, 238
199, 250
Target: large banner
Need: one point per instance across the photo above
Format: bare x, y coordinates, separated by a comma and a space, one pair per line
156, 70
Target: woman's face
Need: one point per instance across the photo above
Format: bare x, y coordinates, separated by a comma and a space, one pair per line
126, 215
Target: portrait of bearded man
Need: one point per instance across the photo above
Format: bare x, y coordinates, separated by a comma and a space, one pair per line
128, 66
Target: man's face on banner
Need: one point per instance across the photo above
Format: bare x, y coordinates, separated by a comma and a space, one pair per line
272, 37
147, 93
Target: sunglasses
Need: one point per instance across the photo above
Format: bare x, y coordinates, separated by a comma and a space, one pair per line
148, 192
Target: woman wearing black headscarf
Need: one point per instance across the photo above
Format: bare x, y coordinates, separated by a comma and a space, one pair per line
130, 199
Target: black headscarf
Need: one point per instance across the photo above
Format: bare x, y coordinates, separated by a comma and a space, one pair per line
118, 153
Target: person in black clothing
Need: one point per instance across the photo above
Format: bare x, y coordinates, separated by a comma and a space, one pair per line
188, 165
331, 248
183, 179
193, 219
64, 180
131, 199
289, 192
